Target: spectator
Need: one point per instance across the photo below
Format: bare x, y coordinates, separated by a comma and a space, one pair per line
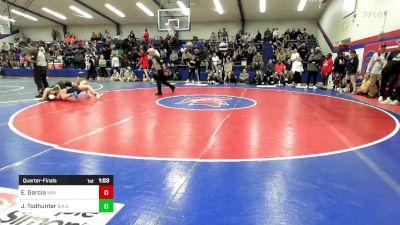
15, 60
6, 47
103, 66
352, 68
146, 35
214, 60
144, 64
131, 36
259, 78
294, 56
258, 61
229, 76
215, 76
303, 52
374, 69
267, 35
129, 75
293, 34
275, 35
305, 34
280, 73
79, 60
281, 55
314, 61
258, 36
289, 53
339, 68
116, 76
115, 64
191, 63
213, 37
390, 73
237, 55
297, 70
326, 69
114, 52
366, 82
224, 35
94, 37
251, 51
99, 37
186, 56
394, 99
269, 68
244, 76
173, 60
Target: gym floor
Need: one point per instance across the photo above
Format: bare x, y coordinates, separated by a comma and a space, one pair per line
222, 154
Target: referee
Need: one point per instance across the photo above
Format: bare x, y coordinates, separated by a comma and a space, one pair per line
39, 61
158, 71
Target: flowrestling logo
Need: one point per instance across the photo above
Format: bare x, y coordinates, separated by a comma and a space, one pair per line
206, 102
11, 215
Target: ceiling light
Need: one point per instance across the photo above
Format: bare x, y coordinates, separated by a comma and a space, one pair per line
6, 18
263, 6
114, 10
24, 15
81, 12
218, 6
185, 11
145, 9
56, 14
302, 4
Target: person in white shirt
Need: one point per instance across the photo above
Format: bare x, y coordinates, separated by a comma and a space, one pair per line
6, 47
214, 60
374, 70
115, 63
294, 56
297, 69
275, 34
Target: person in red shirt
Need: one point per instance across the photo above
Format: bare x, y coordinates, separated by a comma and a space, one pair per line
144, 64
146, 35
279, 67
280, 73
94, 37
326, 69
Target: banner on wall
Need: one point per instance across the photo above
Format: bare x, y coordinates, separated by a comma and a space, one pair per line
370, 49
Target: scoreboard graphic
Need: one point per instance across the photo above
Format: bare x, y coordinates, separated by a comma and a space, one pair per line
66, 193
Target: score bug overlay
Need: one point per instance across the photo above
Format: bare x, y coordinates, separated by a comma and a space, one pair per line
66, 193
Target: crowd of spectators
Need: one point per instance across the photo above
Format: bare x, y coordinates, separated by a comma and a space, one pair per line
116, 58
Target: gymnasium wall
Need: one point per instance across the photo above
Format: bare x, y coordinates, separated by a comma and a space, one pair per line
202, 30
368, 19
363, 26
40, 33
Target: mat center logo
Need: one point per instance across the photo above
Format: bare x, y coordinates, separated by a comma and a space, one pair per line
206, 102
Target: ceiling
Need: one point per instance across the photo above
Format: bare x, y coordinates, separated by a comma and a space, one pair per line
201, 10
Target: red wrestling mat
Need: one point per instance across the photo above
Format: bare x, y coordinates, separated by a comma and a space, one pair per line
273, 124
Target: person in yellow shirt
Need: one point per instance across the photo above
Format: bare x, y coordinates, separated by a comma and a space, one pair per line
365, 84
